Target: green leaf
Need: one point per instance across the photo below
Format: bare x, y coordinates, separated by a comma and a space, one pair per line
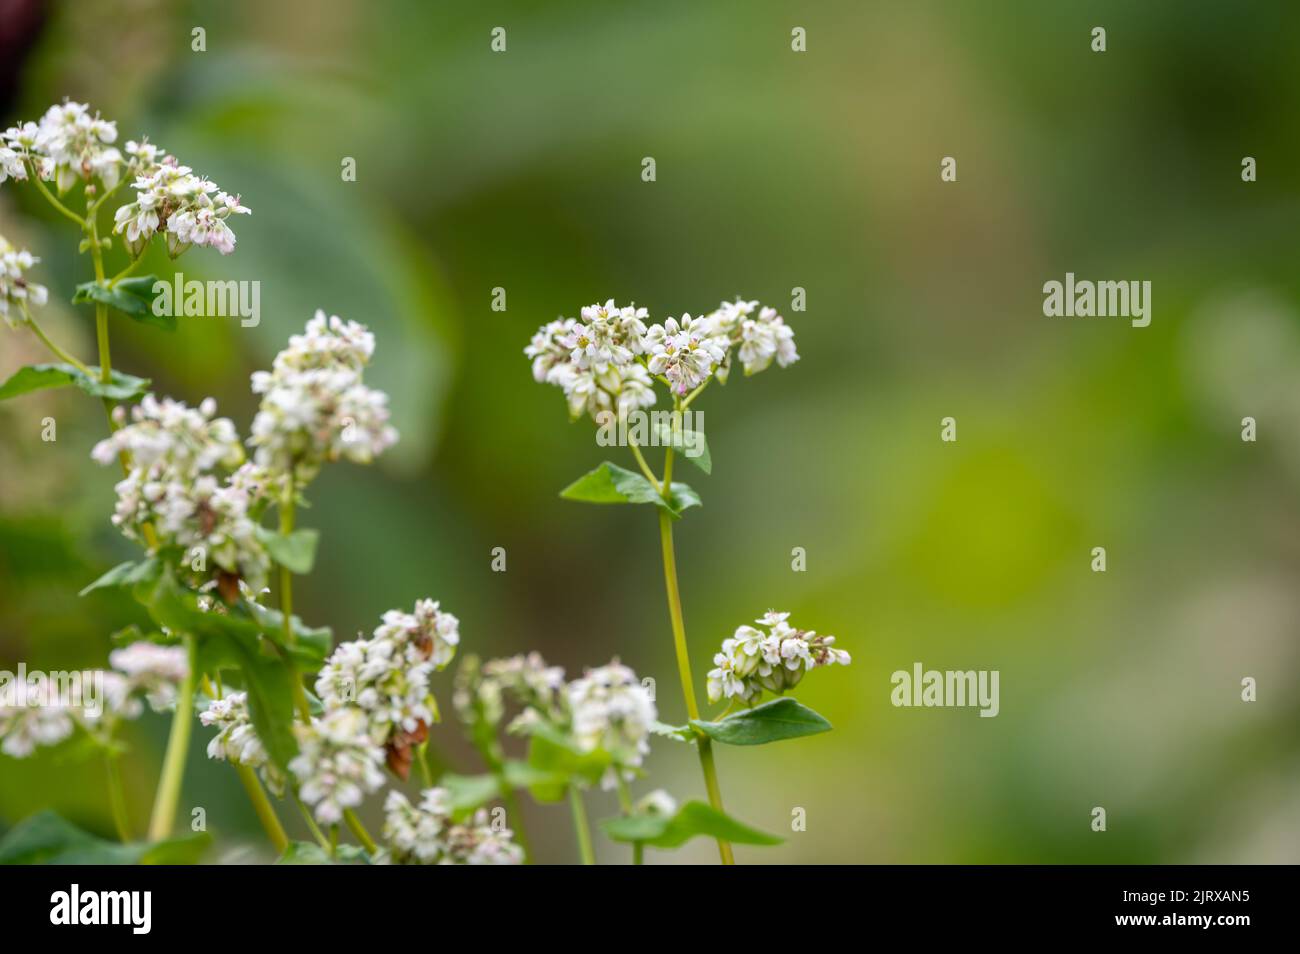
294, 551
682, 733
688, 443
311, 644
524, 775
560, 764
469, 792
694, 819
36, 377
133, 297
310, 853
183, 850
611, 484
48, 839
773, 721
125, 574
304, 853
242, 637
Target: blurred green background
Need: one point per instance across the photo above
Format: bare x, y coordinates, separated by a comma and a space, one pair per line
775, 170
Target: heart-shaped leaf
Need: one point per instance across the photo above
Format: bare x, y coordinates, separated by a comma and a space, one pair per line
686, 442
125, 574
469, 792
46, 838
246, 637
294, 551
773, 721
310, 853
133, 297
36, 377
611, 484
692, 820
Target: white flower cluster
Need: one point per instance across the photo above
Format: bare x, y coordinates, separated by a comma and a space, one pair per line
612, 711
526, 679
387, 675
386, 678
427, 835
68, 144
236, 740
609, 359
189, 209
753, 660
71, 144
152, 670
28, 721
36, 713
337, 763
11, 163
174, 453
314, 405
16, 292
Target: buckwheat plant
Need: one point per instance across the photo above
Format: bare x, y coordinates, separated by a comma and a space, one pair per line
214, 516
608, 363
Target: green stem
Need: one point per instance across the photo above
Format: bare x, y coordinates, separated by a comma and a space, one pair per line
93, 210
312, 826
516, 820
101, 336
684, 663
55, 349
125, 272
263, 807
59, 206
580, 826
101, 310
625, 802
116, 797
490, 750
624, 795
359, 830
286, 604
178, 743
694, 394
645, 468
422, 756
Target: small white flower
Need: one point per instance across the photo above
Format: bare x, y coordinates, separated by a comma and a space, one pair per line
657, 802
723, 681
